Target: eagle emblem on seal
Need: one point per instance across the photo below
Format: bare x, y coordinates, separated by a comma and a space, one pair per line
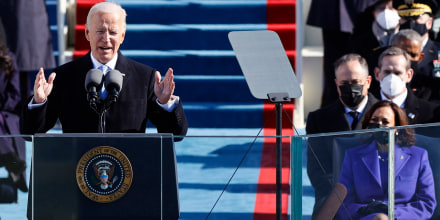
104, 171
104, 174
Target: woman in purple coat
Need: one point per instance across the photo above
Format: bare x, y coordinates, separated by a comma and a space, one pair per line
12, 149
365, 172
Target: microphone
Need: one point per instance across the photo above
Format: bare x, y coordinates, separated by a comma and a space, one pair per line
92, 83
113, 84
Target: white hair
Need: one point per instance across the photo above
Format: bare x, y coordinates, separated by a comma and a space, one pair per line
107, 7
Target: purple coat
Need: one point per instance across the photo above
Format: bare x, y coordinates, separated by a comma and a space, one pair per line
10, 101
414, 182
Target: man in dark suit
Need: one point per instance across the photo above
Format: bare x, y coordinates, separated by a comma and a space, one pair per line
411, 42
418, 16
352, 82
336, 19
394, 73
143, 95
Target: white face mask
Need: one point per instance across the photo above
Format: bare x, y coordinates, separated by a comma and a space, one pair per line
388, 19
392, 85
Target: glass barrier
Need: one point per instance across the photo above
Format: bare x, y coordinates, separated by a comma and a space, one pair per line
219, 174
354, 174
231, 174
232, 177
15, 157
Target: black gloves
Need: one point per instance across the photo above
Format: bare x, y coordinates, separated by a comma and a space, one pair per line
12, 163
15, 166
374, 206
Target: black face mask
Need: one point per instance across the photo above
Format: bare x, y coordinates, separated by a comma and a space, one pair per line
351, 94
411, 24
414, 65
380, 137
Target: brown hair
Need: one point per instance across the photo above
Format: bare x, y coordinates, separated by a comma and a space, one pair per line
351, 57
406, 135
394, 51
6, 62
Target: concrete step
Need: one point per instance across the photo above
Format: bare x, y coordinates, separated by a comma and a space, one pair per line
223, 115
192, 62
226, 89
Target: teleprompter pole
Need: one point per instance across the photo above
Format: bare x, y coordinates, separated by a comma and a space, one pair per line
278, 99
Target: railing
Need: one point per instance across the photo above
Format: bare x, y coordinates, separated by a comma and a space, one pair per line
223, 175
410, 182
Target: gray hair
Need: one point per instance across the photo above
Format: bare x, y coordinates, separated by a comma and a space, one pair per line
352, 57
107, 7
394, 51
406, 34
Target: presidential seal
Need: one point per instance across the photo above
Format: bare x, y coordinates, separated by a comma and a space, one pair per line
104, 174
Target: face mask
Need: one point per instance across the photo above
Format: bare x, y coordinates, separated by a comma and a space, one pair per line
388, 19
392, 85
419, 28
351, 94
414, 65
380, 137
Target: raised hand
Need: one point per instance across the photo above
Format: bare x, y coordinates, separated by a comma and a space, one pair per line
42, 88
164, 89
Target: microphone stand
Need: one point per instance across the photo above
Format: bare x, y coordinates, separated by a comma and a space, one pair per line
97, 106
100, 108
101, 128
104, 106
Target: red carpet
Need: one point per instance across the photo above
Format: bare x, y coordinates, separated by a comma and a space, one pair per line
281, 19
265, 203
82, 46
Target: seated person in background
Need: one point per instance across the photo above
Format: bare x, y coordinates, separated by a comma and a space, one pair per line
373, 31
12, 150
365, 171
394, 72
352, 82
411, 42
418, 15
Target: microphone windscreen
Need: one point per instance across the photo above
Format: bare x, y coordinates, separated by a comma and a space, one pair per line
93, 78
113, 79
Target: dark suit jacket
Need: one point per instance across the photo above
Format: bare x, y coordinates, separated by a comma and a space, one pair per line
327, 13
136, 103
420, 111
414, 182
331, 118
427, 86
365, 44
